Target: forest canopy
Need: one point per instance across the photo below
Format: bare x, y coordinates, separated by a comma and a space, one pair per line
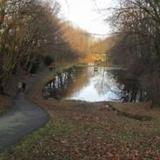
29, 31
137, 24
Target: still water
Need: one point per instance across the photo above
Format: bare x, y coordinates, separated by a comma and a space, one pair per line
94, 84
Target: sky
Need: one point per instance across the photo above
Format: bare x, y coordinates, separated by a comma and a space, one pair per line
87, 15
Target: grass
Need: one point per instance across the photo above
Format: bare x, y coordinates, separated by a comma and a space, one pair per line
90, 131
74, 133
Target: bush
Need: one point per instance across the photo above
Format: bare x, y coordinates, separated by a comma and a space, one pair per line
47, 60
34, 68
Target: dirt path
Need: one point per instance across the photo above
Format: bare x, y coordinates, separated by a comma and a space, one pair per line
24, 118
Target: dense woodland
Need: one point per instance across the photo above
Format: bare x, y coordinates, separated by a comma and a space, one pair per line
27, 27
32, 36
137, 26
78, 39
31, 33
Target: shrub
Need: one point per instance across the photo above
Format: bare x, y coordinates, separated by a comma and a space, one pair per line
47, 60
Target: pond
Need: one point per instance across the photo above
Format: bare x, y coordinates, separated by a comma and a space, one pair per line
94, 84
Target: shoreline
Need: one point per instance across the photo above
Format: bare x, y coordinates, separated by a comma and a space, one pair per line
79, 129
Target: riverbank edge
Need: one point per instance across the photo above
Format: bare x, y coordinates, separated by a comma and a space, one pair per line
128, 114
32, 138
36, 97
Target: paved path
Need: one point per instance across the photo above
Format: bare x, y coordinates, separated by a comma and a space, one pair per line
24, 118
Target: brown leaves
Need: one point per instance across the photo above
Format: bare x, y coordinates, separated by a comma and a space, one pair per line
95, 134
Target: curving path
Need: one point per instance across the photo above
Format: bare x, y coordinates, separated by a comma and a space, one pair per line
24, 118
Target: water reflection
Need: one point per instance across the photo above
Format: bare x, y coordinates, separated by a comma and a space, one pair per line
65, 83
94, 84
131, 88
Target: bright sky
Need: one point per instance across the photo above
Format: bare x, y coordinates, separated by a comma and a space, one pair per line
86, 14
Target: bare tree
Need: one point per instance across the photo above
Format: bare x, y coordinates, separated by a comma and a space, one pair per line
138, 25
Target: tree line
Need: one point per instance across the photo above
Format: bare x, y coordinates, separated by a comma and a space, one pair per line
30, 32
137, 24
79, 39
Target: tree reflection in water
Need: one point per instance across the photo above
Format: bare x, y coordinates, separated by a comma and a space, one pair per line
63, 84
131, 88
94, 84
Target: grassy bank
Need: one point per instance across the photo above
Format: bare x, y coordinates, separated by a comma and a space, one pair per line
90, 131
